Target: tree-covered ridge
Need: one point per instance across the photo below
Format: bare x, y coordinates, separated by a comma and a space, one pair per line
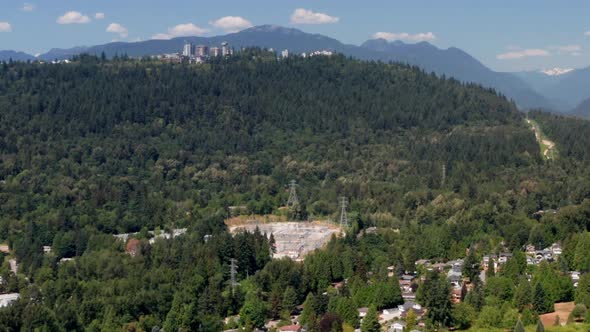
111, 143
96, 147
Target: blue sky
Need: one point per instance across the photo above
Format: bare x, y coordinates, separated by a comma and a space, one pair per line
506, 35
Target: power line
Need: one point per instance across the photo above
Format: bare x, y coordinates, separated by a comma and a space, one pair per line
233, 269
343, 215
293, 199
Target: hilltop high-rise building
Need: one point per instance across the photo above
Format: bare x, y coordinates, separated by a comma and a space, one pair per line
201, 50
225, 50
215, 51
187, 50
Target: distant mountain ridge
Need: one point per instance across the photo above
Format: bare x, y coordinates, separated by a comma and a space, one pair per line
460, 65
451, 62
567, 90
16, 56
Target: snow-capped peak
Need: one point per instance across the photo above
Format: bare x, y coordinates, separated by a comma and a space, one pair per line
556, 71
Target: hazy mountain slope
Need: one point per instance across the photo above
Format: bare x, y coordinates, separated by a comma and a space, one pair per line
566, 91
459, 64
583, 109
16, 56
573, 87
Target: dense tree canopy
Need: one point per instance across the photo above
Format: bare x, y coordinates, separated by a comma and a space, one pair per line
95, 148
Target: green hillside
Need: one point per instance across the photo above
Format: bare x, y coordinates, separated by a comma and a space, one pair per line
96, 147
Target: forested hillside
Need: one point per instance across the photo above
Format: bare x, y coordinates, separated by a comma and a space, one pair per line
572, 135
97, 147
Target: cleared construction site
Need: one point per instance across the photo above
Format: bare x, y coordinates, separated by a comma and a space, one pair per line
292, 239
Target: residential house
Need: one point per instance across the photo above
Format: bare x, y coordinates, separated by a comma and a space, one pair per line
405, 283
391, 271
438, 267
7, 299
421, 262
530, 249
530, 260
133, 247
489, 261
555, 249
575, 275
398, 326
504, 257
389, 314
410, 305
290, 328
456, 294
363, 312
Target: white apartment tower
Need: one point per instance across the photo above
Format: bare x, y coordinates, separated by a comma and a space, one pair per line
225, 50
187, 50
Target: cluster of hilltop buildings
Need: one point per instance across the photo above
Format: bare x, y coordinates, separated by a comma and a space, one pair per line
201, 53
198, 53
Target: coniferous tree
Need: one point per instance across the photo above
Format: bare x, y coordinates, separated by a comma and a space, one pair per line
289, 299
435, 295
523, 297
541, 301
371, 321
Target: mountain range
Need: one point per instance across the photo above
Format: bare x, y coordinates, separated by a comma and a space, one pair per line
528, 89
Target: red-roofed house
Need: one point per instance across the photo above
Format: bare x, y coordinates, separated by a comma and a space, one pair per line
133, 247
290, 328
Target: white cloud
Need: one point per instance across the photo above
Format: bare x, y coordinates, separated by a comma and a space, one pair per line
27, 7
587, 33
231, 23
119, 29
73, 17
305, 16
567, 49
534, 52
161, 36
181, 30
422, 36
99, 16
5, 27
556, 71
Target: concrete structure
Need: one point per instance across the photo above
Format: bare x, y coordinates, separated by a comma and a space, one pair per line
160, 235
293, 239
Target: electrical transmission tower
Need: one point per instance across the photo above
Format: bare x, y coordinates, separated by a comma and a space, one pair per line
343, 214
293, 199
444, 174
233, 270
